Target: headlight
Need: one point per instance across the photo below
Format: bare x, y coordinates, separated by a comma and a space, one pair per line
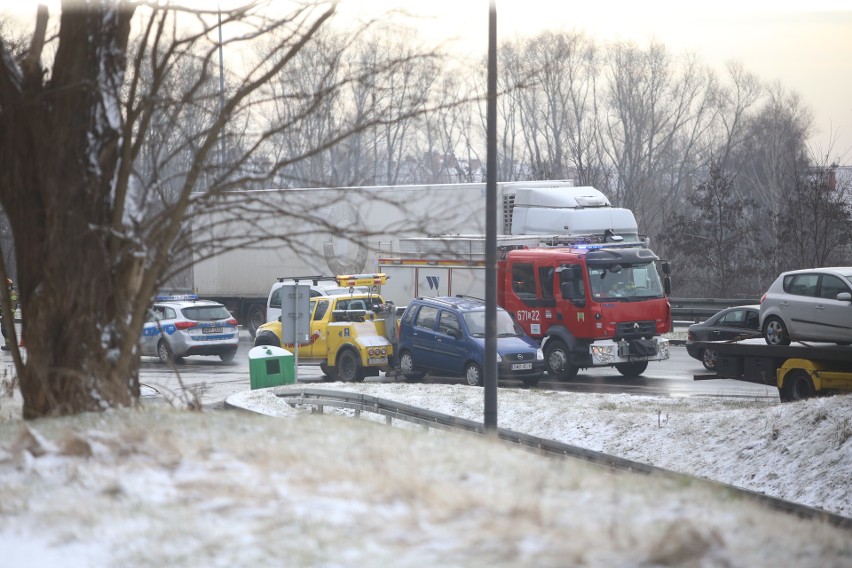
604, 353
539, 355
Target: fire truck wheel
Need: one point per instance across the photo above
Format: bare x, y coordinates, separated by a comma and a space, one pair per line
473, 375
797, 386
408, 368
632, 369
349, 367
557, 360
775, 332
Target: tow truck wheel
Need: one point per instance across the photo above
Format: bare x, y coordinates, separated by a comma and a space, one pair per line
708, 359
328, 371
473, 375
164, 352
349, 367
408, 368
797, 386
633, 369
557, 360
775, 332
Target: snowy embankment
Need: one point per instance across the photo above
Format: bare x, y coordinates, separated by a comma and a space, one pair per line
165, 487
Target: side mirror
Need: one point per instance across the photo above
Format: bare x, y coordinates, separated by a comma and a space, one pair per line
667, 268
667, 286
844, 297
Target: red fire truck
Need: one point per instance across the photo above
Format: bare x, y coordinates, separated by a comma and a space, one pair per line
590, 304
591, 301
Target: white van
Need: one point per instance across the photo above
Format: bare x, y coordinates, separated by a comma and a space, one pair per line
320, 286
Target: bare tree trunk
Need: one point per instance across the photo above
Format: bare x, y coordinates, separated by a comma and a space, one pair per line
59, 159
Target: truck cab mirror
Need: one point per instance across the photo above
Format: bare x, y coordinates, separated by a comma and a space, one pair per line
667, 286
667, 268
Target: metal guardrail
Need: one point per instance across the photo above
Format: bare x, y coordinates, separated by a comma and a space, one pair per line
390, 409
699, 309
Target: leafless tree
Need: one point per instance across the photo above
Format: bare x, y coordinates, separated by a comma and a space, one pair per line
711, 242
815, 222
776, 150
95, 237
655, 115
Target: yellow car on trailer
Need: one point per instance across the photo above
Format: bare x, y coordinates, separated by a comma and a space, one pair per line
351, 336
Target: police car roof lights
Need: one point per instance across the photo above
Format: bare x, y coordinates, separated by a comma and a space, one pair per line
176, 298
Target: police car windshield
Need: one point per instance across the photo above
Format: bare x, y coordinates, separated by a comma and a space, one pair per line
206, 313
475, 321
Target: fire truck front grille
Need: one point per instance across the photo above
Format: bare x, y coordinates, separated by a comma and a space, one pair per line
634, 329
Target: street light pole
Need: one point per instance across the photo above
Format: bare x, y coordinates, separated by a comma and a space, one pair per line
490, 370
221, 89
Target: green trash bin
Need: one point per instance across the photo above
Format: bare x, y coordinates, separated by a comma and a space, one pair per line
270, 367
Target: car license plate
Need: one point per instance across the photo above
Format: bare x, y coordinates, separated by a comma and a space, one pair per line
521, 366
212, 330
380, 361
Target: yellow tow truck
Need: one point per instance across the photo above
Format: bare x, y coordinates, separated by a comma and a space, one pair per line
351, 336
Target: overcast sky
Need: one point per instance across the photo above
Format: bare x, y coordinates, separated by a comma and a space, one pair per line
806, 44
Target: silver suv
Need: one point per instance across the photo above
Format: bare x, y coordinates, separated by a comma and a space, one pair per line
808, 305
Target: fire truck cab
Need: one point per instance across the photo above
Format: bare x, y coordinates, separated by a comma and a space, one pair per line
590, 304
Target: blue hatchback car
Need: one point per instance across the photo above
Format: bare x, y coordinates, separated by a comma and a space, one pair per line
446, 336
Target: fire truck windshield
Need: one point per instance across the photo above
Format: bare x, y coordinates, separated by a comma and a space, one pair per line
626, 283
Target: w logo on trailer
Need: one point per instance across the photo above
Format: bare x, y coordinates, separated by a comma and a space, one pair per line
434, 282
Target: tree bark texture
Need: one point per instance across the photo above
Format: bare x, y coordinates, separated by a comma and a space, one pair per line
60, 142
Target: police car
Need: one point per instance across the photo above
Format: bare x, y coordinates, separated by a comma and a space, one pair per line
180, 326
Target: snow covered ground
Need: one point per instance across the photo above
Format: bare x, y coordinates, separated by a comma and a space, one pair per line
166, 487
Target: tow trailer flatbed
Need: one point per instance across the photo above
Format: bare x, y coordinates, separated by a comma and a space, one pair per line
799, 370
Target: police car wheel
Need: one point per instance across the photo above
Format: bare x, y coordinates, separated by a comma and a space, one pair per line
227, 357
164, 352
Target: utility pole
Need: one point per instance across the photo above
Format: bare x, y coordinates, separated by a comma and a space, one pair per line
221, 90
490, 378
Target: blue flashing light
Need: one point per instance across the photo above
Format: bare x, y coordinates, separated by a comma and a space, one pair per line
176, 298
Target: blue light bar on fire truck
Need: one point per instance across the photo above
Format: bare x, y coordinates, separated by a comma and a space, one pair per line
595, 246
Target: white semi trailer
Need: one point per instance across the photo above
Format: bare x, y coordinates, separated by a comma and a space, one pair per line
286, 233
